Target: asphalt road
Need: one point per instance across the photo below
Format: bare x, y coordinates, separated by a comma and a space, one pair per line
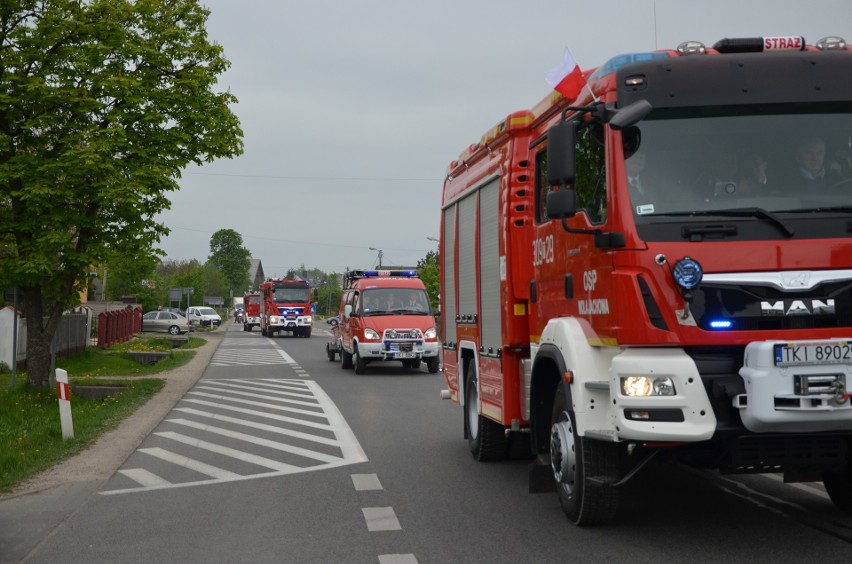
275, 454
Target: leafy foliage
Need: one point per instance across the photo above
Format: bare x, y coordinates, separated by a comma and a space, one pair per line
103, 104
229, 256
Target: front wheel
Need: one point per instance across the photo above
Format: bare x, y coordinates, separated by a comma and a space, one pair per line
174, 330
580, 466
345, 359
485, 438
432, 364
360, 363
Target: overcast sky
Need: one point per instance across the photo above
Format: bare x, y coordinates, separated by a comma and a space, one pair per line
352, 110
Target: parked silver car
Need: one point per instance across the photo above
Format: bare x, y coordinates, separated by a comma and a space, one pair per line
167, 321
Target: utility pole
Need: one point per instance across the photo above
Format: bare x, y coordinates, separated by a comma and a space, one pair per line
381, 253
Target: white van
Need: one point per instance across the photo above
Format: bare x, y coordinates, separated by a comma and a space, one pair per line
204, 316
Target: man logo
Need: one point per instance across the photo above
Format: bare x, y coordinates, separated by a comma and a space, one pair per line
797, 307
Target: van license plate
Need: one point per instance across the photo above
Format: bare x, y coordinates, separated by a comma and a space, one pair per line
800, 354
405, 355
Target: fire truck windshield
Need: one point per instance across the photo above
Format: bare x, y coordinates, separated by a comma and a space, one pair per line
769, 158
284, 294
395, 301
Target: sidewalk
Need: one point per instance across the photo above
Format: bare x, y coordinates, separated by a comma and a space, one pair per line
37, 507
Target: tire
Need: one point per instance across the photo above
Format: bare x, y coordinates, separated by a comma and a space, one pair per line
330, 352
485, 438
307, 333
263, 330
360, 364
345, 359
174, 330
839, 488
575, 461
432, 364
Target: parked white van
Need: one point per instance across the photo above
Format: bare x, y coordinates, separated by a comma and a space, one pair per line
204, 316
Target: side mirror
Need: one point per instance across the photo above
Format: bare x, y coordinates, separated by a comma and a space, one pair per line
347, 310
561, 153
631, 114
561, 203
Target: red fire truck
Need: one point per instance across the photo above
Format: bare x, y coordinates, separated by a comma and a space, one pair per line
251, 316
285, 305
705, 314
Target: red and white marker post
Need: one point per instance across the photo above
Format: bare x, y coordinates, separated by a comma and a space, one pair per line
63, 390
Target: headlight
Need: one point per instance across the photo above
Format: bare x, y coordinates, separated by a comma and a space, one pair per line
370, 334
431, 333
638, 386
308, 319
273, 320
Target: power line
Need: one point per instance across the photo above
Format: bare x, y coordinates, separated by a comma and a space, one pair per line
335, 178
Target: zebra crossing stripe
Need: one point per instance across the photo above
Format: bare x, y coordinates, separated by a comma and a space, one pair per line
259, 404
303, 452
264, 414
215, 388
145, 478
258, 426
230, 385
192, 464
230, 452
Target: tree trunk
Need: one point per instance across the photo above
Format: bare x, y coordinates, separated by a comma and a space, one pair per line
40, 333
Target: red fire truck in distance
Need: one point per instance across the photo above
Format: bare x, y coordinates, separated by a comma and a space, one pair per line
285, 306
251, 316
662, 267
384, 315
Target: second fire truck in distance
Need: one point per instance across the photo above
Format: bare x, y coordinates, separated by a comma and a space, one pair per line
251, 314
285, 306
662, 267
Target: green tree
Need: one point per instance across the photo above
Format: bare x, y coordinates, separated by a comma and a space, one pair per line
232, 259
102, 105
427, 270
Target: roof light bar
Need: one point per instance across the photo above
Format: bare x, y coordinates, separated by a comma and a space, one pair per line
760, 44
691, 48
831, 43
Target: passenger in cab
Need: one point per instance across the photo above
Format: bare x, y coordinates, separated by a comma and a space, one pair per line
815, 172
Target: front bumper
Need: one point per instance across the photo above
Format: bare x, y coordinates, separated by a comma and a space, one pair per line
277, 323
805, 396
398, 350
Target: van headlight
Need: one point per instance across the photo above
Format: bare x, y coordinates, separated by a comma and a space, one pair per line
642, 386
431, 333
371, 335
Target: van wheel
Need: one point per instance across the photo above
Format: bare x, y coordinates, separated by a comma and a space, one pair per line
345, 359
263, 330
330, 352
432, 364
485, 438
360, 364
580, 466
307, 332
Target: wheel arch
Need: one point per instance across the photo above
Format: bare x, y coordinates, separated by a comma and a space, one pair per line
548, 370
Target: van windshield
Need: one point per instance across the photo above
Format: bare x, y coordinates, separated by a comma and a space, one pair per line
395, 301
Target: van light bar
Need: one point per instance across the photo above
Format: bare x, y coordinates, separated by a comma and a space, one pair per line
383, 273
721, 324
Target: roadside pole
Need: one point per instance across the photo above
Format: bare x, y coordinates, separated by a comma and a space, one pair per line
64, 392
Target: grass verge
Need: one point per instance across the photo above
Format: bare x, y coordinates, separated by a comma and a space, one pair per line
30, 430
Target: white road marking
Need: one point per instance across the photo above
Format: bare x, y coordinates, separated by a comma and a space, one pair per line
381, 519
282, 418
186, 462
332, 423
258, 396
364, 482
234, 386
258, 426
397, 559
303, 452
144, 477
257, 404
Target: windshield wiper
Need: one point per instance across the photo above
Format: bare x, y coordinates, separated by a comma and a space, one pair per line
847, 209
739, 212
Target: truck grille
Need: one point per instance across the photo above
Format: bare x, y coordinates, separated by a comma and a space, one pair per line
774, 453
742, 306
